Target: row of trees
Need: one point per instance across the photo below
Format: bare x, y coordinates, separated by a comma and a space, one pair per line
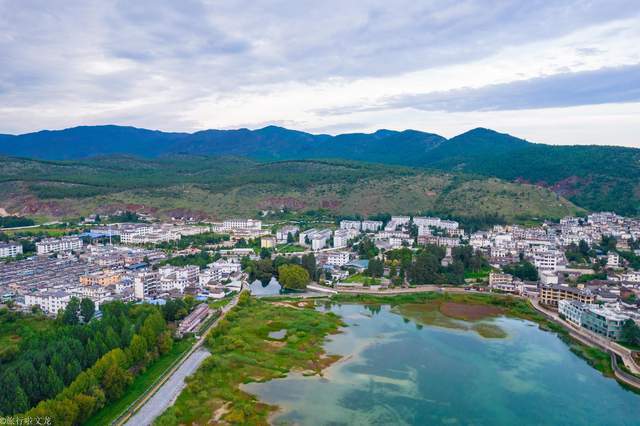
47, 362
266, 268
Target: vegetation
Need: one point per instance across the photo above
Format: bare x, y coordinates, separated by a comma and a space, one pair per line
73, 369
293, 277
214, 187
15, 221
242, 351
523, 270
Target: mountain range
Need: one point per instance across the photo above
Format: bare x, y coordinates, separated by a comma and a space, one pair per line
593, 177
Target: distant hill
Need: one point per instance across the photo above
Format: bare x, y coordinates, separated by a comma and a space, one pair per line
214, 187
594, 177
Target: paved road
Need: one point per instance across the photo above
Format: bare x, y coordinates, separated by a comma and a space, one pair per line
166, 395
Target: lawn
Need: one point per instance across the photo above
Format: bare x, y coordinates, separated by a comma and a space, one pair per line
243, 351
141, 383
362, 278
290, 248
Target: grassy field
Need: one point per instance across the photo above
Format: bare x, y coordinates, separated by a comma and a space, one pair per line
290, 248
242, 351
140, 384
362, 278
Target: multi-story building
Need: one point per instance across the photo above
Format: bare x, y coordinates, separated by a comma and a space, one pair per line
502, 282
546, 260
572, 310
55, 245
178, 278
371, 225
102, 278
340, 238
49, 301
145, 284
552, 294
350, 224
98, 294
267, 241
604, 321
241, 224
10, 249
282, 235
613, 259
338, 258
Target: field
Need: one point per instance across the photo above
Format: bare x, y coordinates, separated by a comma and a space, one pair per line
217, 188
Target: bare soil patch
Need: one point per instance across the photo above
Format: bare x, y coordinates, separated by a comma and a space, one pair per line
468, 311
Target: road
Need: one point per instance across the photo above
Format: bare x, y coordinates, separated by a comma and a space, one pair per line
162, 395
166, 395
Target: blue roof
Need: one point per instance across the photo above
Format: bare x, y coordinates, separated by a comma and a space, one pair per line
94, 235
359, 263
137, 266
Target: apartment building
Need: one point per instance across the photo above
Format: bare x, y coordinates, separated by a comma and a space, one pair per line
282, 235
241, 224
552, 294
371, 225
341, 238
146, 284
55, 245
49, 301
338, 258
350, 224
10, 249
101, 278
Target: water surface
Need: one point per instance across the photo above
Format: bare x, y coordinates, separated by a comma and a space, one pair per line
397, 372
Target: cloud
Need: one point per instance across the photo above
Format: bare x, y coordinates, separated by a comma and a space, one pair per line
607, 85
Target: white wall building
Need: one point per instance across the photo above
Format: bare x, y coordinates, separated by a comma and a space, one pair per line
371, 225
146, 284
55, 245
10, 249
350, 224
49, 301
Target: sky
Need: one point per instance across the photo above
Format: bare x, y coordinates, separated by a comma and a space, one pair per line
557, 72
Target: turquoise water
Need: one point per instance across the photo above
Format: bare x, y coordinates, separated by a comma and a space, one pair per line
396, 372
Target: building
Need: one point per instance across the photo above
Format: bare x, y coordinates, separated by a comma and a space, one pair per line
55, 245
502, 282
552, 294
613, 260
604, 321
546, 260
341, 238
350, 224
225, 266
548, 277
315, 238
10, 249
178, 277
241, 224
371, 225
268, 241
338, 258
146, 284
194, 319
98, 294
101, 278
282, 235
571, 310
49, 301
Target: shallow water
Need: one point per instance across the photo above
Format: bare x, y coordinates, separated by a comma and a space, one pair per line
396, 372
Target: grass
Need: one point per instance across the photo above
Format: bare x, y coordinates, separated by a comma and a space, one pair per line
140, 384
242, 352
290, 248
480, 275
362, 278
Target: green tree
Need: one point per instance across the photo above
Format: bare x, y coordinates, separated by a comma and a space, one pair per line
87, 309
293, 277
630, 332
70, 313
375, 268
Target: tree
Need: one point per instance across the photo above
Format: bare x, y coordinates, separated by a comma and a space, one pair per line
293, 277
290, 238
87, 309
137, 349
523, 270
630, 332
367, 249
309, 263
375, 268
70, 313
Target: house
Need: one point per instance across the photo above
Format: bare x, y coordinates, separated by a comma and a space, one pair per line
10, 249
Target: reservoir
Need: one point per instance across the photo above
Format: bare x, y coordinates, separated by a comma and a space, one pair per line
400, 369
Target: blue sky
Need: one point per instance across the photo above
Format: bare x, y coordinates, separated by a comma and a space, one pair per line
561, 72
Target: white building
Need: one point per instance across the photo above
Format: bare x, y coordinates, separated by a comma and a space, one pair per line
546, 260
54, 245
178, 278
145, 284
10, 249
613, 260
282, 235
371, 225
97, 293
226, 266
341, 238
242, 224
350, 224
338, 258
572, 310
49, 301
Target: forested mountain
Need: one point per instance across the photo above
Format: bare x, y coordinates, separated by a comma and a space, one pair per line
216, 187
594, 177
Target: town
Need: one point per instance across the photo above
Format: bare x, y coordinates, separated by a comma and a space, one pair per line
586, 269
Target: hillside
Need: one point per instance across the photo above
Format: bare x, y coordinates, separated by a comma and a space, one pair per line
217, 187
593, 177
